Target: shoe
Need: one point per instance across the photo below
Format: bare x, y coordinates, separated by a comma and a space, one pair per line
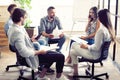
44, 78
49, 71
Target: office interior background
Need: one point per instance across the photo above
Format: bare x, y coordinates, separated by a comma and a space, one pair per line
73, 15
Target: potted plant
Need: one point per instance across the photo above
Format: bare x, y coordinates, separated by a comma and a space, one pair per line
26, 5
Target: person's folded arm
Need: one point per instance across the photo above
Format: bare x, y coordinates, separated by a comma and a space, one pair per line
98, 41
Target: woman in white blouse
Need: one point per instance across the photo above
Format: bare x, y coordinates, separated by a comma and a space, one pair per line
104, 33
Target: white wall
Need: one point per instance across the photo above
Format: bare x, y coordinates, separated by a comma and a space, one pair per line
81, 9
80, 13
63, 11
67, 10
5, 2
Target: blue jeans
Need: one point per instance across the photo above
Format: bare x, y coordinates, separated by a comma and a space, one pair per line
42, 42
38, 43
90, 41
60, 42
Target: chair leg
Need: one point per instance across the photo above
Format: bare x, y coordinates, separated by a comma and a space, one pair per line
91, 74
33, 75
11, 66
93, 69
104, 74
101, 63
22, 78
21, 72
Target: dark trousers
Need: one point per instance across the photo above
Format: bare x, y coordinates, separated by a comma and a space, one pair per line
60, 42
51, 57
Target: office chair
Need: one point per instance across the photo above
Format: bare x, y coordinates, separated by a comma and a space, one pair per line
20, 62
104, 55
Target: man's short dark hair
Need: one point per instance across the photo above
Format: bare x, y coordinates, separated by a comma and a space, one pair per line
10, 7
51, 7
17, 14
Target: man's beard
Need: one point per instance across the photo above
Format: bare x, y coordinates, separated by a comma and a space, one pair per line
22, 23
52, 16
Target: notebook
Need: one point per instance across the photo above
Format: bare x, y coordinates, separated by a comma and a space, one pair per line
78, 40
47, 48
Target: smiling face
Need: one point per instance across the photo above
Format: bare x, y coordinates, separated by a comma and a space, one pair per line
51, 13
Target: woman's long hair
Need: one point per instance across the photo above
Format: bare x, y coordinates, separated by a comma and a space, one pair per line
104, 18
95, 11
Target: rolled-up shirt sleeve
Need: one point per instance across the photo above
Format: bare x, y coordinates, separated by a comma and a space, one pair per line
42, 26
20, 44
58, 23
99, 38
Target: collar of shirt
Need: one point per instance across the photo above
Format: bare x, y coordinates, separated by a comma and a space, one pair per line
47, 18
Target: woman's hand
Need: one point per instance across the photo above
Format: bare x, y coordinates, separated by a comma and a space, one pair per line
85, 46
61, 35
40, 52
83, 37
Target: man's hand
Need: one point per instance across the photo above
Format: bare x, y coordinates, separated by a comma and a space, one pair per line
33, 38
61, 35
47, 35
50, 35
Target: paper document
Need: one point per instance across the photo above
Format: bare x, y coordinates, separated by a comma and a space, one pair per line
78, 40
46, 48
56, 33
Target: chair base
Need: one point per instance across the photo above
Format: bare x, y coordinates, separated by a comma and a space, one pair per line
7, 69
21, 72
23, 78
91, 74
92, 77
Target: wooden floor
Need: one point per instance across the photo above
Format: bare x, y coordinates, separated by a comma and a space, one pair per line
8, 58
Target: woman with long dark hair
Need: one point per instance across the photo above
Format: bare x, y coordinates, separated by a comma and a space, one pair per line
92, 26
104, 33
